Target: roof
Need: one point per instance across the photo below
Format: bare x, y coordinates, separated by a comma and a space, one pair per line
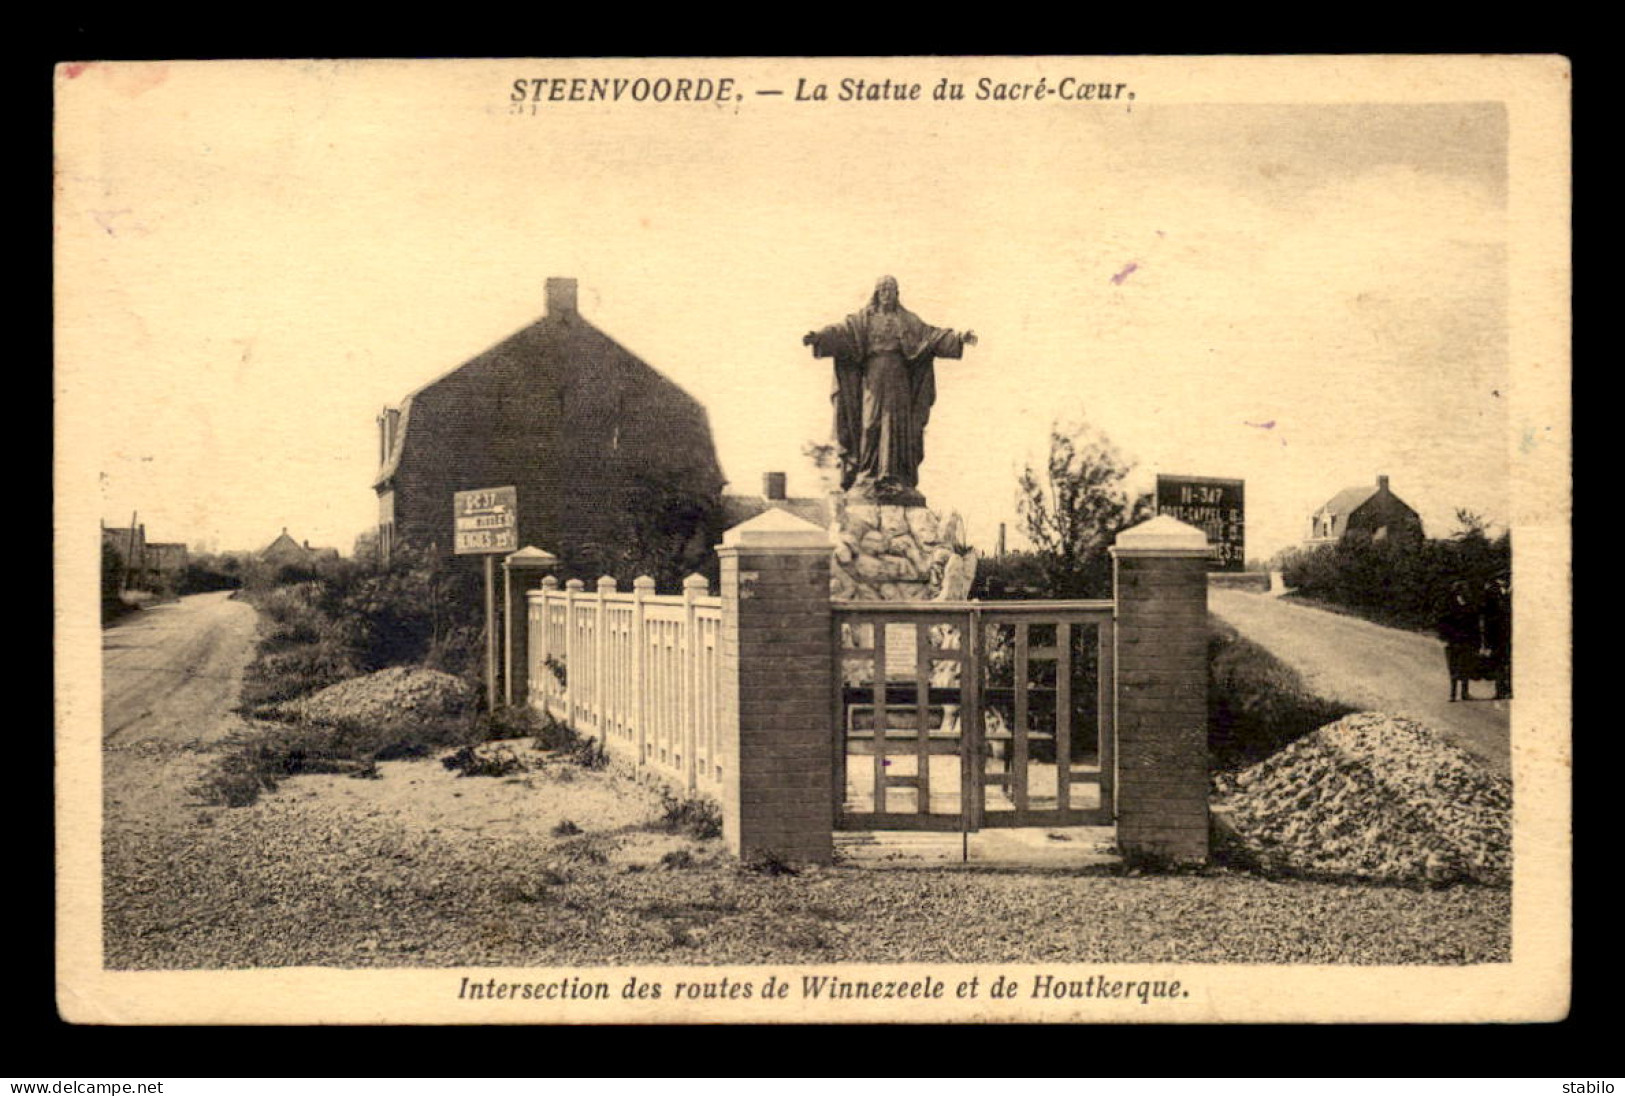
1348, 500
278, 542
739, 508
566, 337
286, 542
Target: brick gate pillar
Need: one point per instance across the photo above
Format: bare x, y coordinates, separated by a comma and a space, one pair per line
778, 790
1160, 579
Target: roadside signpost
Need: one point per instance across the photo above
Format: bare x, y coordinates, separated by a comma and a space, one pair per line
1215, 506
487, 524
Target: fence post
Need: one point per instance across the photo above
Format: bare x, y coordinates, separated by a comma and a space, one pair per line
776, 662
694, 586
545, 650
600, 656
642, 587
572, 664
1160, 578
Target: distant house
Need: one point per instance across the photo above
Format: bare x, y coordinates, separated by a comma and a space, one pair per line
285, 550
583, 428
129, 548
740, 508
1373, 512
142, 563
166, 559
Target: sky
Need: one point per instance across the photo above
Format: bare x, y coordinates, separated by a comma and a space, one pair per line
255, 258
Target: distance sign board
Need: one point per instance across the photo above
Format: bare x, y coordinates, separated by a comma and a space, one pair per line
486, 521
1215, 506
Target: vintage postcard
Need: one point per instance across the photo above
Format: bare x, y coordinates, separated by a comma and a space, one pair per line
917, 539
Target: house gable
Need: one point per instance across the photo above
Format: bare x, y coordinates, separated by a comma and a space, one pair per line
1374, 510
559, 410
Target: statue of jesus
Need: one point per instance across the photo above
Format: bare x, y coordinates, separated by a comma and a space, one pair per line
885, 385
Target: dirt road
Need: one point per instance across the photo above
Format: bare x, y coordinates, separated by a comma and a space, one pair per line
171, 674
170, 677
1372, 668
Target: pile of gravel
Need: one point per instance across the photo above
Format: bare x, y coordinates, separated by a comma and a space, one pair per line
401, 692
1376, 797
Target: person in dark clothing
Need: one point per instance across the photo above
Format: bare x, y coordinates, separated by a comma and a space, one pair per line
1498, 633
1461, 626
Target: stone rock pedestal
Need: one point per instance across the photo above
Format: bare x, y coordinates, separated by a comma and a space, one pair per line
898, 553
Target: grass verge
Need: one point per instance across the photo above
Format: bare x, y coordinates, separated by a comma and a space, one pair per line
1256, 703
258, 759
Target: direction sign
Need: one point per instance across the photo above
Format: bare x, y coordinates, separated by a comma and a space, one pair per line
486, 521
1217, 507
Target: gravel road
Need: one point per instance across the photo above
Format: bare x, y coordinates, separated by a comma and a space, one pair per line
1371, 668
424, 869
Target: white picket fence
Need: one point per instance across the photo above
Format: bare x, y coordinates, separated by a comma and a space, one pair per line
638, 671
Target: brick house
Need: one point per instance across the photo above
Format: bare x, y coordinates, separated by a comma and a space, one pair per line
142, 563
1375, 512
586, 431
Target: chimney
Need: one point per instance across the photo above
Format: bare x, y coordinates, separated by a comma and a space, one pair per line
1382, 483
773, 486
561, 296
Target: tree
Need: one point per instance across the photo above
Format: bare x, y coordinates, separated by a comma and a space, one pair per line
1075, 508
826, 460
666, 530
112, 582
1473, 525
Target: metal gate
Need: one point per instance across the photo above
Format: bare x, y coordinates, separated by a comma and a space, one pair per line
972, 715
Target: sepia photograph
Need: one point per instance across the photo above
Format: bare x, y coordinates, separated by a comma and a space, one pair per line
911, 539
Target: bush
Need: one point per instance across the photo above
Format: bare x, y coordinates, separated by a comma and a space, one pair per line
509, 722
696, 816
341, 619
205, 574
112, 579
590, 754
554, 734
1396, 582
469, 761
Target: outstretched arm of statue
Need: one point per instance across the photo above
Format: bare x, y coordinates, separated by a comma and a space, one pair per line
834, 341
